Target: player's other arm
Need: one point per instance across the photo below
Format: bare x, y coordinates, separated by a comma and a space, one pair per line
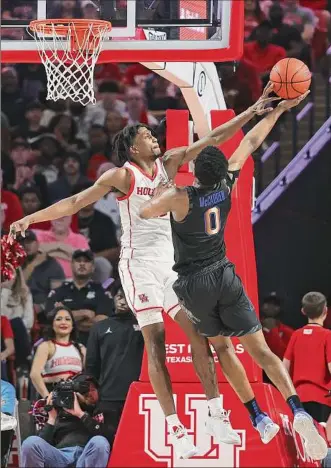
114, 178
165, 200
254, 139
176, 157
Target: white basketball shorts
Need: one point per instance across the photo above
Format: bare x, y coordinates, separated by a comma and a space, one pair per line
147, 285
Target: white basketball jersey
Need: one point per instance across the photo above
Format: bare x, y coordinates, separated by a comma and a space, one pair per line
144, 238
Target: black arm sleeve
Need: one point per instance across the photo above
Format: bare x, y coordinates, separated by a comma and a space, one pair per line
98, 428
47, 433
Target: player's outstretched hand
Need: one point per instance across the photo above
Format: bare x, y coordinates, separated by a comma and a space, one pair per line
162, 187
19, 226
289, 103
262, 105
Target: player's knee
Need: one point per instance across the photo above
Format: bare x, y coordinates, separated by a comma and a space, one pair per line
223, 350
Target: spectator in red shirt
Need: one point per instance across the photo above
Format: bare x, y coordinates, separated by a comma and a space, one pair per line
276, 334
242, 87
308, 359
261, 53
136, 75
7, 344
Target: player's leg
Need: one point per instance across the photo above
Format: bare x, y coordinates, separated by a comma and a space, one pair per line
154, 337
202, 356
236, 375
139, 286
239, 318
218, 418
257, 347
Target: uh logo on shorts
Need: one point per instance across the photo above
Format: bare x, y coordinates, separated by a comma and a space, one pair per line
156, 436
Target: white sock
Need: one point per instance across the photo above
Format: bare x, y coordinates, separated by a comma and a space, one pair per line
214, 405
173, 420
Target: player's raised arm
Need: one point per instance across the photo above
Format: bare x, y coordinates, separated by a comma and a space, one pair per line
254, 138
114, 178
176, 157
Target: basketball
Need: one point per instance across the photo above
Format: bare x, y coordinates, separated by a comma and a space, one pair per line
291, 78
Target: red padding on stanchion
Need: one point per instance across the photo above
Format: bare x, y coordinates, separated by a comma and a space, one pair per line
178, 131
142, 438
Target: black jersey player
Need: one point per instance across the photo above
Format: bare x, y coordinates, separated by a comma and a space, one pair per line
208, 287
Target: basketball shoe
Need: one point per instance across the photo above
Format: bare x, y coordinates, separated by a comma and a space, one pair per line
265, 427
219, 426
181, 442
315, 446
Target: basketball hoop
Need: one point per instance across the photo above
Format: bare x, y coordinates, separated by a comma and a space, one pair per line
69, 50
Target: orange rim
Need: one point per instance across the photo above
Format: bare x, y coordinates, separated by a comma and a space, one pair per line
61, 26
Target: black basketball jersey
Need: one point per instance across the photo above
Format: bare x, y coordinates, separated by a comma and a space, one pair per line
199, 239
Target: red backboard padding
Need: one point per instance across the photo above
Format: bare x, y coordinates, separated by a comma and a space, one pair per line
240, 245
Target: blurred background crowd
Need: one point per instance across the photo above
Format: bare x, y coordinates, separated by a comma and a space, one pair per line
67, 295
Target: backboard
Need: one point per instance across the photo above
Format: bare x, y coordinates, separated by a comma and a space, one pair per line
143, 30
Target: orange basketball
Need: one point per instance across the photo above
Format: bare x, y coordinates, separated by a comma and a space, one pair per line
291, 78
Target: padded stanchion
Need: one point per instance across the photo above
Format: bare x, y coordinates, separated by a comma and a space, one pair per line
143, 441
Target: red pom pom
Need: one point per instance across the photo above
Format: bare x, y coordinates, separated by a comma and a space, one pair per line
12, 257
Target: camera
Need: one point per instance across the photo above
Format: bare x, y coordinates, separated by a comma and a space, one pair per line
64, 393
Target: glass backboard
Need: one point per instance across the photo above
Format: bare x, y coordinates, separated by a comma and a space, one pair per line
143, 30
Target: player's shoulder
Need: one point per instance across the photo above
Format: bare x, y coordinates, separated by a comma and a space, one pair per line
115, 172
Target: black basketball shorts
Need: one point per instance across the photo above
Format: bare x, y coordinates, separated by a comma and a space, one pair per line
215, 301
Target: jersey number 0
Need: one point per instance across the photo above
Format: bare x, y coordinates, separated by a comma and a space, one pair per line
212, 221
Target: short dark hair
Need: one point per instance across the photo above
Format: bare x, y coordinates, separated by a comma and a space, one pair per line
30, 189
115, 287
72, 155
211, 166
313, 304
124, 140
266, 24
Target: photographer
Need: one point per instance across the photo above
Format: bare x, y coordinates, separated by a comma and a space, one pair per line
75, 434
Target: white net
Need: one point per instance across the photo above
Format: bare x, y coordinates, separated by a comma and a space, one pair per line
69, 55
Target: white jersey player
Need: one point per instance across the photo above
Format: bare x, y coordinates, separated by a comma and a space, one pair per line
147, 259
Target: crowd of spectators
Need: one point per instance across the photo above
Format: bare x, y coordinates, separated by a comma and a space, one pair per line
66, 296
275, 30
